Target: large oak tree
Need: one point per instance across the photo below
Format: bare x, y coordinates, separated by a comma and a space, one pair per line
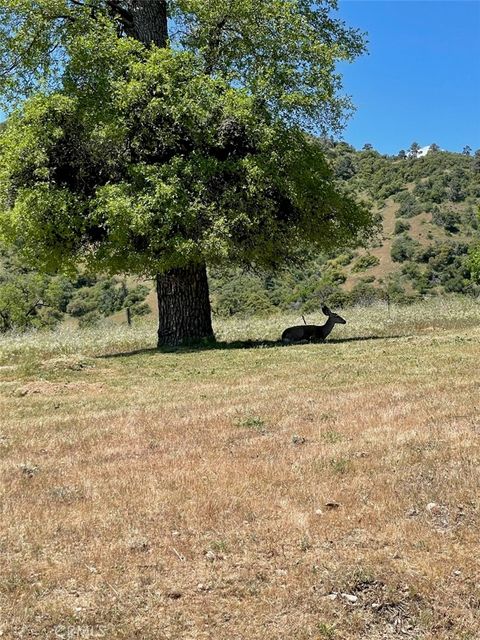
156, 138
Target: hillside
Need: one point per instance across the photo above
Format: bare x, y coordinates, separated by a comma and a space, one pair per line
428, 206
428, 213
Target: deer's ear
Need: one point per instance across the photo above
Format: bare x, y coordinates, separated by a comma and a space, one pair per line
326, 310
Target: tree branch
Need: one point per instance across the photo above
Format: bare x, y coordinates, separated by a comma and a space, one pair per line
124, 14
39, 303
214, 44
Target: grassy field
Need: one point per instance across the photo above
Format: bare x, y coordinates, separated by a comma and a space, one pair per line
249, 491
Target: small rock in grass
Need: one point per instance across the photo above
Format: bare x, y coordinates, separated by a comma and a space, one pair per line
296, 439
349, 597
210, 555
174, 595
434, 508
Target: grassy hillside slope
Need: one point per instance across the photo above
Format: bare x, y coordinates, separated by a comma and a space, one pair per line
428, 211
249, 491
432, 200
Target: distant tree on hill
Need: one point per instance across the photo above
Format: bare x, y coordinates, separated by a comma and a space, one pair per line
476, 161
414, 149
367, 146
401, 154
467, 151
474, 260
434, 148
345, 168
456, 192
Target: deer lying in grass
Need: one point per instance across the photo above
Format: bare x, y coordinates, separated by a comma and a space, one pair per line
313, 331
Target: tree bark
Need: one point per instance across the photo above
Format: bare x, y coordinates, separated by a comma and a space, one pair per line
184, 313
183, 306
149, 21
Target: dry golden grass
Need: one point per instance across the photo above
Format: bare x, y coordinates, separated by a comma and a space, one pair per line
237, 493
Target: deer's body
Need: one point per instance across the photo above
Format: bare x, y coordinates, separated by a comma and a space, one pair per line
313, 332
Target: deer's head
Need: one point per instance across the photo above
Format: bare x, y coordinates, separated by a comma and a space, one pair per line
334, 317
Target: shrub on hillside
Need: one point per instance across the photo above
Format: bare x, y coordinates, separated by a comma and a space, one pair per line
418, 277
447, 265
437, 191
428, 206
345, 259
59, 292
364, 294
422, 190
237, 299
365, 262
105, 297
473, 263
401, 226
443, 254
140, 309
470, 217
83, 302
409, 207
411, 269
134, 300
449, 220
404, 248
388, 190
334, 297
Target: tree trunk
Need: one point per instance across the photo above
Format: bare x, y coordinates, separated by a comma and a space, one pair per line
183, 301
183, 306
149, 21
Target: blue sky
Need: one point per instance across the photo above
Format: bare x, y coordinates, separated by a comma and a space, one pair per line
421, 79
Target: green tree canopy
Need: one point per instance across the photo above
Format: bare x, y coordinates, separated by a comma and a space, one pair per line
137, 157
168, 179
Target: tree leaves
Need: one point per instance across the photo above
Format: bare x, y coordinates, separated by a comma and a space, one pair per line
139, 159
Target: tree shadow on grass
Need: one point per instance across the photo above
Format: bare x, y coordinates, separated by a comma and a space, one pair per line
239, 344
